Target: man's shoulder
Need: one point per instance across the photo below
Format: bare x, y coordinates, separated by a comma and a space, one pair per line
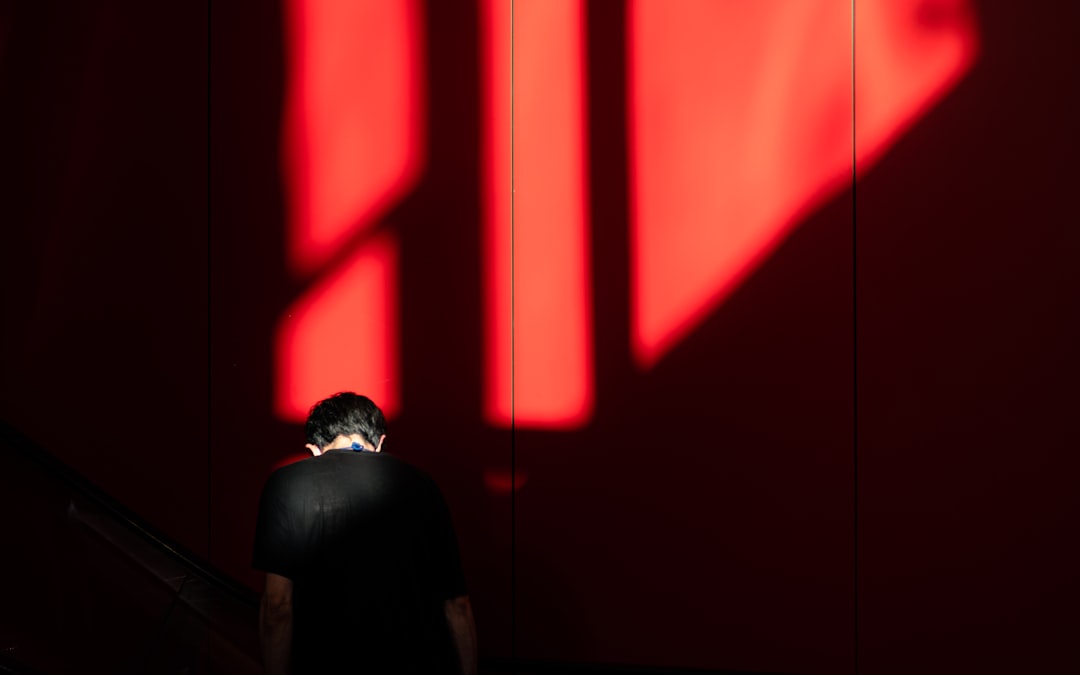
292, 470
344, 464
285, 478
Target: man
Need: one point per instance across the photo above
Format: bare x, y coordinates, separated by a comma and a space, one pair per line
361, 561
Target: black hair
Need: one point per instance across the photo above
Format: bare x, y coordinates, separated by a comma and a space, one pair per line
344, 414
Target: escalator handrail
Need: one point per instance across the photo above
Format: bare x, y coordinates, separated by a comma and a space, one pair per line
12, 438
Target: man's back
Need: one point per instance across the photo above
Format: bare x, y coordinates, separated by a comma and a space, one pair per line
368, 543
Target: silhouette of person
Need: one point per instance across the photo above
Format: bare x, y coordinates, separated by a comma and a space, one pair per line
361, 560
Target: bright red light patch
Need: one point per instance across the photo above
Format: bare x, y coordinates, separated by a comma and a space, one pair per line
353, 145
342, 336
740, 123
908, 55
539, 326
354, 132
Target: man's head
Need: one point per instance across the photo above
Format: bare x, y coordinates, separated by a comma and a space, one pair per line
343, 419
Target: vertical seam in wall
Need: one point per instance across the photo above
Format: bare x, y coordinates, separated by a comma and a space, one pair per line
209, 343
513, 417
855, 361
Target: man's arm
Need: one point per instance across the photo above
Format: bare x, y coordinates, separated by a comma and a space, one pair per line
459, 616
275, 625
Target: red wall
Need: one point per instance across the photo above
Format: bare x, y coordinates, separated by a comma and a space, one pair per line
104, 257
713, 509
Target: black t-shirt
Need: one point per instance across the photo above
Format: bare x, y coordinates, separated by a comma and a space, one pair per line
369, 545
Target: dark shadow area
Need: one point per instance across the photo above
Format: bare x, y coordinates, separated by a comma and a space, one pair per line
968, 328
525, 667
95, 589
103, 266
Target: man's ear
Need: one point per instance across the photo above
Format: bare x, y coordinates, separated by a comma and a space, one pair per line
378, 448
314, 449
